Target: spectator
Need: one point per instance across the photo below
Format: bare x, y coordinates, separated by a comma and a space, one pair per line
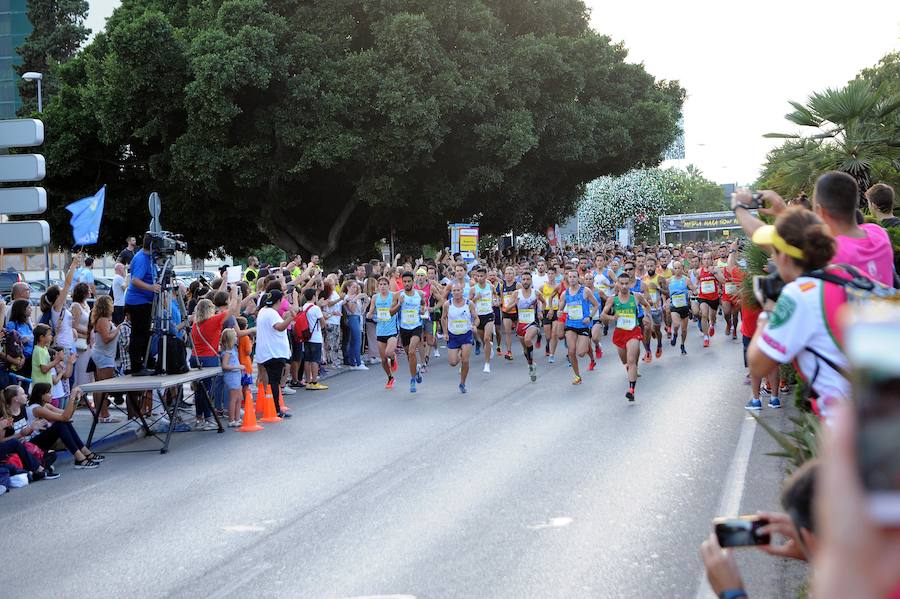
56, 313
119, 288
104, 334
273, 348
85, 275
80, 324
142, 289
333, 303
354, 305
42, 365
232, 370
312, 349
58, 425
881, 204
21, 290
20, 323
126, 255
205, 336
15, 431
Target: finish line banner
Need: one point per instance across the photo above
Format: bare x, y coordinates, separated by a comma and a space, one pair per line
704, 221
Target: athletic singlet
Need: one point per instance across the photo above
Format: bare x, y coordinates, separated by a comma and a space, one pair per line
466, 290
411, 311
600, 300
603, 283
526, 307
577, 308
426, 294
678, 291
626, 312
637, 289
484, 299
652, 290
694, 282
385, 322
546, 292
709, 289
459, 318
507, 303
733, 278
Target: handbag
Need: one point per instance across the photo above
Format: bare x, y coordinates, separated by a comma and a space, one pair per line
81, 344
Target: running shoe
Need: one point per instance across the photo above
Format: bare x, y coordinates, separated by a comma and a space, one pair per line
477, 349
727, 330
629, 396
551, 359
673, 341
598, 353
658, 352
592, 365
706, 342
576, 380
648, 358
683, 351
783, 388
774, 403
733, 336
462, 388
51, 474
412, 385
712, 331
754, 405
390, 383
437, 354
508, 356
296, 384
286, 391
393, 364
487, 368
532, 372
284, 415
316, 387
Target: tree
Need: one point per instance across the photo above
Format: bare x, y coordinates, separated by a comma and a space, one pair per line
323, 126
57, 32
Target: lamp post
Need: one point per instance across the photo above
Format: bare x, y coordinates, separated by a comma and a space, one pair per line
39, 77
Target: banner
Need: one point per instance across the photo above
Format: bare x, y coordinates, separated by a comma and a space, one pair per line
704, 221
464, 240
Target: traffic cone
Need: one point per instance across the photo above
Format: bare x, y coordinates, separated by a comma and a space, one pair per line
260, 398
249, 425
269, 412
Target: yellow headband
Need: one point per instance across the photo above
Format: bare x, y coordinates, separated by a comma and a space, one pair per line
768, 235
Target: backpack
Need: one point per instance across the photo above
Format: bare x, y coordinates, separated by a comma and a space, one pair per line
12, 345
302, 331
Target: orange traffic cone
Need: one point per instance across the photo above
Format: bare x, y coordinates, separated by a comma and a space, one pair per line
260, 398
249, 425
269, 412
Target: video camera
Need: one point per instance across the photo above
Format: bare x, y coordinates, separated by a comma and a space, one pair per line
164, 244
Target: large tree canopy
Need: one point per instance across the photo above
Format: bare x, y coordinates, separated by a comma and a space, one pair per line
323, 125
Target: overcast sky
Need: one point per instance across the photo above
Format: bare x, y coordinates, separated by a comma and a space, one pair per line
739, 61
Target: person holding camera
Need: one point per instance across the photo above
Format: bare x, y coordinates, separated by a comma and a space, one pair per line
794, 325
139, 302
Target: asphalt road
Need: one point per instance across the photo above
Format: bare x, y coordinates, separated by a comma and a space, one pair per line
513, 490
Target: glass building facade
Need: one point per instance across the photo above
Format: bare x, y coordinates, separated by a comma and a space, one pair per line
14, 28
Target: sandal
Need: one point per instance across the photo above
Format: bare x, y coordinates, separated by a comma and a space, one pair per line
108, 420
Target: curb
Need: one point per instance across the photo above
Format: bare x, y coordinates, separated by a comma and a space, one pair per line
106, 443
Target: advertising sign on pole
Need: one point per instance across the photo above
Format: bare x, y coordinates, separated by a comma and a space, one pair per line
464, 240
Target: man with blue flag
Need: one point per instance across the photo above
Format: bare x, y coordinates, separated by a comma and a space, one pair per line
86, 216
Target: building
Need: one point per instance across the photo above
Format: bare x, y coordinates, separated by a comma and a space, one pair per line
14, 28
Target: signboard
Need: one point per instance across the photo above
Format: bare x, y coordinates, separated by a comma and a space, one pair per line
553, 237
702, 221
24, 234
623, 236
23, 200
464, 240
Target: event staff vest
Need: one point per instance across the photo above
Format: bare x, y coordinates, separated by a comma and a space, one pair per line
678, 291
484, 299
459, 318
626, 312
385, 322
577, 308
411, 310
527, 307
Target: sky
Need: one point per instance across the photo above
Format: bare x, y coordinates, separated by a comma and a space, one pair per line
740, 62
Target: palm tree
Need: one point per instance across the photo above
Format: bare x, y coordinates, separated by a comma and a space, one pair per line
857, 130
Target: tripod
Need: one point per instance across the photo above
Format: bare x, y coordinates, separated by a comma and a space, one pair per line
161, 317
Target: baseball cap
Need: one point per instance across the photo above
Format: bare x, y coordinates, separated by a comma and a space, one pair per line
273, 297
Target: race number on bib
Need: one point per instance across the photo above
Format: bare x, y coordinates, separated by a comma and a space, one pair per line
653, 296
483, 305
410, 317
731, 288
626, 321
707, 287
508, 300
526, 315
459, 326
383, 314
679, 300
574, 311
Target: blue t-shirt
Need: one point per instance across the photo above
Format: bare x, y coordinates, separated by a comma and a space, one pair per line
142, 268
84, 275
26, 333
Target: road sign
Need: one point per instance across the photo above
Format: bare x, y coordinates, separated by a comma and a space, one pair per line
24, 234
23, 200
22, 167
21, 133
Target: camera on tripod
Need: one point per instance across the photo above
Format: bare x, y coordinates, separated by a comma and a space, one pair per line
164, 244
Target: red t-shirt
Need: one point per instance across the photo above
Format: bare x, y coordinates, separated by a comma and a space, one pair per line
207, 344
749, 314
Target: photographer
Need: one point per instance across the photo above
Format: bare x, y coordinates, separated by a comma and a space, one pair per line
139, 302
796, 327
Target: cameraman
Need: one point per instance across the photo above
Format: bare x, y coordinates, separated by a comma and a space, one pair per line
796, 327
139, 302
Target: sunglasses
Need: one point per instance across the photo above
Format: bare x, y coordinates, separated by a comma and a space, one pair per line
627, 269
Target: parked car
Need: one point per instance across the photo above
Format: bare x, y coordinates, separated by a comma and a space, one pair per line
187, 276
7, 280
103, 285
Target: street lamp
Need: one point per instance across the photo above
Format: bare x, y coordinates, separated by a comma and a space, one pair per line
32, 76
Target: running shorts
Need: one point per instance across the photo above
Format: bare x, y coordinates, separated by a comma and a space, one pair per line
483, 320
513, 316
621, 337
656, 316
522, 328
549, 317
385, 338
585, 332
683, 311
406, 335
714, 304
457, 341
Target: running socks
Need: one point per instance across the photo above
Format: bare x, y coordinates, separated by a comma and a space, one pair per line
528, 353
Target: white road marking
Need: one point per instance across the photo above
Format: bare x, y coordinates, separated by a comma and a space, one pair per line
383, 597
243, 528
559, 522
732, 490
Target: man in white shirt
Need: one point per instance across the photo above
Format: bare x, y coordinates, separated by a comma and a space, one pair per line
119, 287
273, 349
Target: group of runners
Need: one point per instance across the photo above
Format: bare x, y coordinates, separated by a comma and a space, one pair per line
641, 296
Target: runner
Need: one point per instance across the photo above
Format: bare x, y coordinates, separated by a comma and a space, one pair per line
435, 303
382, 311
412, 307
483, 298
604, 283
579, 307
428, 341
595, 328
710, 278
731, 296
655, 285
679, 287
622, 309
458, 317
636, 274
508, 307
694, 273
539, 280
529, 305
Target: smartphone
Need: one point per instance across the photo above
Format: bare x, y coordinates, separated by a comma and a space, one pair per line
756, 200
741, 531
871, 343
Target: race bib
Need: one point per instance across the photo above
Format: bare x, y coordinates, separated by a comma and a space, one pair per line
507, 300
731, 288
526, 315
679, 301
574, 311
604, 290
554, 303
626, 322
707, 287
483, 305
410, 316
459, 326
383, 314
653, 296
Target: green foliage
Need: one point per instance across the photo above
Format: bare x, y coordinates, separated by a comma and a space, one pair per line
757, 259
323, 125
58, 31
269, 254
801, 444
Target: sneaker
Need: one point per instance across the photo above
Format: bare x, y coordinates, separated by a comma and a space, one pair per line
508, 356
592, 365
462, 388
532, 372
629, 396
437, 354
51, 474
706, 342
284, 415
412, 385
288, 391
390, 383
648, 358
96, 457
234, 424
754, 405
783, 388
49, 460
316, 387
418, 375
487, 368
577, 380
683, 351
712, 331
295, 384
359, 367
658, 352
774, 403
199, 424
551, 359
85, 465
210, 426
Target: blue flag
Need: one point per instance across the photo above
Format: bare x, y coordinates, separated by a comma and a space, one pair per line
86, 216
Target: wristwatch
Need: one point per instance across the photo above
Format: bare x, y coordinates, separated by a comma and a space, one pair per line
733, 594
736, 206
